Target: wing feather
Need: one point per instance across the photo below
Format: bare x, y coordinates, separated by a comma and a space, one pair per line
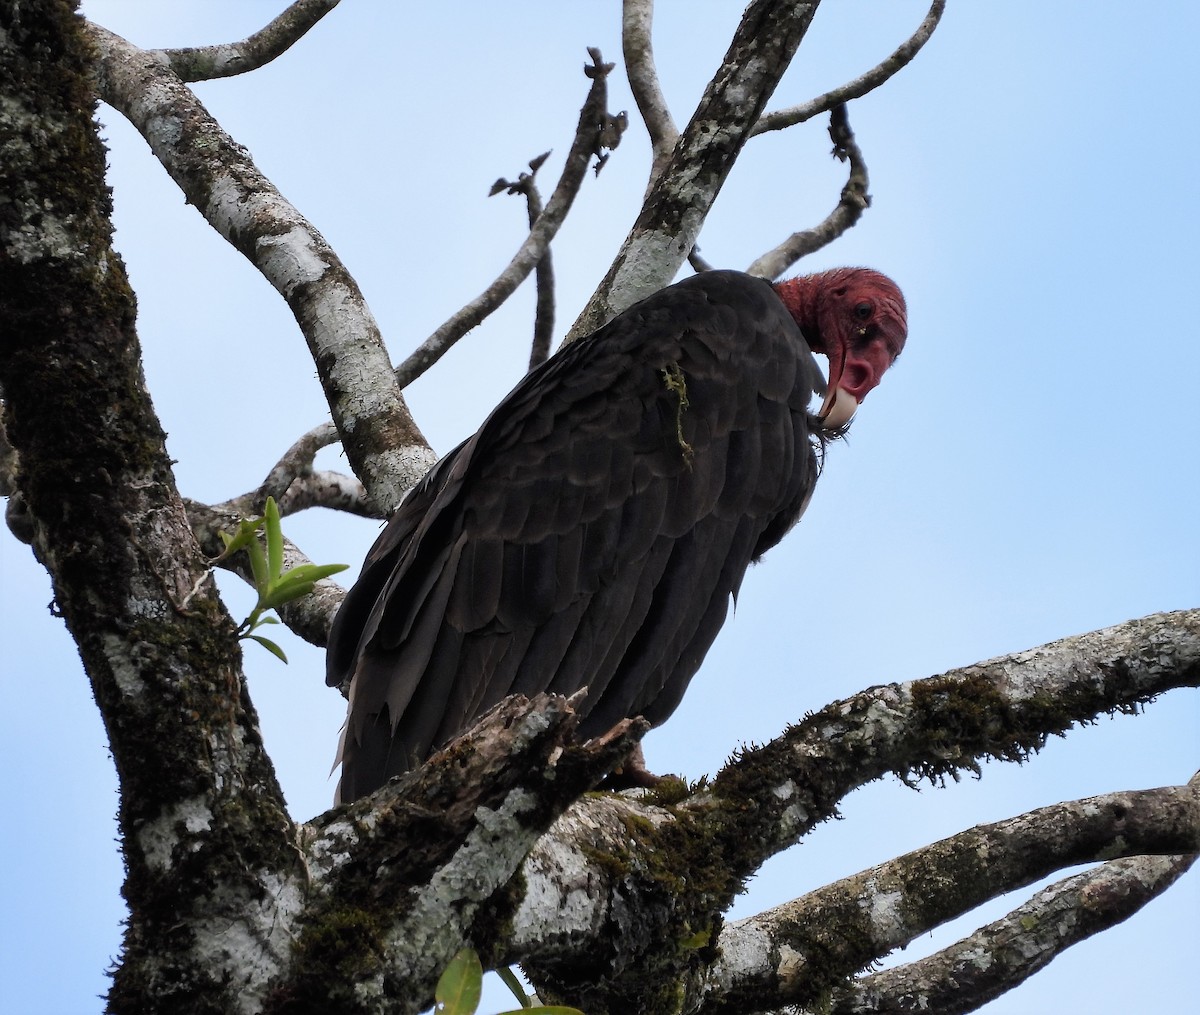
590, 534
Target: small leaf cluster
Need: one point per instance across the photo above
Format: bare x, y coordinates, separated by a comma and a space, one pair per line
461, 986
274, 585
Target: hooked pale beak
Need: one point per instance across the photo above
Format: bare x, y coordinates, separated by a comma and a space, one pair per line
838, 408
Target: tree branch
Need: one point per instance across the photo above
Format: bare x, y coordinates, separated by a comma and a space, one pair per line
296, 462
328, 489
860, 86
697, 261
691, 856
591, 137
204, 63
421, 860
383, 443
680, 198
16, 511
788, 956
1003, 709
637, 17
1005, 953
543, 318
853, 202
296, 486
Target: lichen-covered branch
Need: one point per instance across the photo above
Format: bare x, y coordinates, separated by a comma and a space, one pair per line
203, 63
16, 514
1003, 709
861, 85
691, 853
615, 902
797, 952
1005, 953
593, 134
404, 878
680, 198
637, 17
383, 443
852, 203
328, 489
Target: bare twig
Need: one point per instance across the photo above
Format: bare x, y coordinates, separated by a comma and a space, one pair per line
697, 262
850, 206
203, 63
636, 19
383, 443
543, 276
888, 906
593, 119
859, 86
1005, 953
679, 200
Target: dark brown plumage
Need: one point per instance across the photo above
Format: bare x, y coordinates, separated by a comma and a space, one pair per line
594, 529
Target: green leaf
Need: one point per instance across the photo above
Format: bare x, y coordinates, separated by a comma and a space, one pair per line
460, 986
274, 540
297, 582
258, 565
274, 586
285, 594
241, 539
544, 1009
512, 983
269, 645
313, 572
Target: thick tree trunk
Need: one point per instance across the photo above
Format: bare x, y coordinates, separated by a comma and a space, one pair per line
205, 845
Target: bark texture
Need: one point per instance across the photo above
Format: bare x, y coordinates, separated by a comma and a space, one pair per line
203, 826
614, 902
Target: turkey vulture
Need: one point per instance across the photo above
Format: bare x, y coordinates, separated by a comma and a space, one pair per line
592, 532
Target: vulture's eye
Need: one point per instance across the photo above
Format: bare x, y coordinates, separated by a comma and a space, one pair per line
862, 311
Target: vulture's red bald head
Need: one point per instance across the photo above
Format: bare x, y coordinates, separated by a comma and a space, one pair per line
857, 318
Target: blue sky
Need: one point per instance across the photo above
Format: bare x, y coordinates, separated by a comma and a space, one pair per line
1026, 472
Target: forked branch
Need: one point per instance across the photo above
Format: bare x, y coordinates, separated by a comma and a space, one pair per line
1005, 953
709, 842
854, 201
594, 133
680, 198
888, 906
543, 277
